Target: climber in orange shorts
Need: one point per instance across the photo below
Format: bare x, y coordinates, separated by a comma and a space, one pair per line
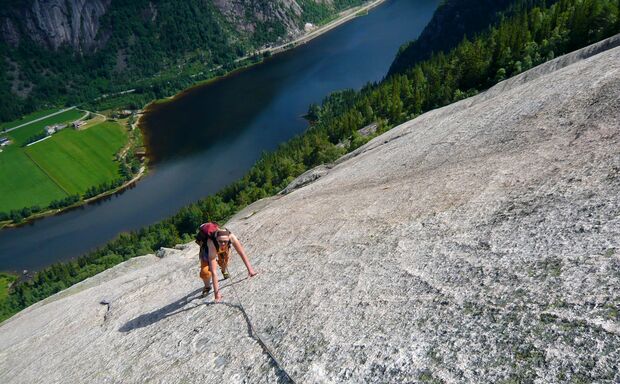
215, 245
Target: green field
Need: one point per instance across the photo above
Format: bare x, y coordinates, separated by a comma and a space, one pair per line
5, 280
69, 162
77, 160
20, 135
27, 118
23, 183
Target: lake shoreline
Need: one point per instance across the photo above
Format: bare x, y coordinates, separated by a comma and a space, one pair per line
127, 184
53, 212
342, 18
240, 117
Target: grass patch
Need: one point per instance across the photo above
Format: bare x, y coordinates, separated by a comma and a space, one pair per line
23, 183
27, 118
5, 281
20, 135
77, 160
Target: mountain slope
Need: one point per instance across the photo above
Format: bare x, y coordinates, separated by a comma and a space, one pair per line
452, 21
475, 243
86, 25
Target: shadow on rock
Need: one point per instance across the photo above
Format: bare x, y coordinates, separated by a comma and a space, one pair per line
170, 310
179, 306
161, 313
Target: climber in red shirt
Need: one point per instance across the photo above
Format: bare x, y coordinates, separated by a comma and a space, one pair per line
215, 244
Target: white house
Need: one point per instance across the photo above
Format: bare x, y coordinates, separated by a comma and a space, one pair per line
77, 124
51, 129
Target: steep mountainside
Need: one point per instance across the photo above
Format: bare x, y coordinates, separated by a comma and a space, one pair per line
78, 24
54, 23
476, 243
453, 20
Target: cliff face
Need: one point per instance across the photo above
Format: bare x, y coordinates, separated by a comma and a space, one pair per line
238, 12
476, 243
52, 23
77, 23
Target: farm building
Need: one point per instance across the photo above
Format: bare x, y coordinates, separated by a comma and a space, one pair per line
51, 129
77, 124
4, 141
124, 113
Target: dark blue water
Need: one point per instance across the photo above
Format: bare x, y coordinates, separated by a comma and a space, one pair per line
210, 136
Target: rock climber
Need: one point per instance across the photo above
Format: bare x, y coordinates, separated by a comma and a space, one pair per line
215, 245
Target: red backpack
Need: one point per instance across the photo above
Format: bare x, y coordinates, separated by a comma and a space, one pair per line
207, 231
211, 231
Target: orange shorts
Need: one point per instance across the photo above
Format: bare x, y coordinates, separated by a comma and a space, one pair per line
205, 272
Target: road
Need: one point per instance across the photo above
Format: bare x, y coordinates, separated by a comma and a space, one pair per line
40, 118
345, 16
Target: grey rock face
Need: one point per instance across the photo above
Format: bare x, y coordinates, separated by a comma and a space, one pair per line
53, 23
244, 13
76, 23
9, 32
306, 178
478, 243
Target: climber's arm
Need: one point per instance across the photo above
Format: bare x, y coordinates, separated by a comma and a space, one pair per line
239, 248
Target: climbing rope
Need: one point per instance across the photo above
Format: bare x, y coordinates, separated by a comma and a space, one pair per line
258, 338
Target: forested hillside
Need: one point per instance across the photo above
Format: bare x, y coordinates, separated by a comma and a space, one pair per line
518, 43
67, 52
529, 37
453, 20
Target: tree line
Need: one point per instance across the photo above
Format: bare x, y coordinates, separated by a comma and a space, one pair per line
527, 38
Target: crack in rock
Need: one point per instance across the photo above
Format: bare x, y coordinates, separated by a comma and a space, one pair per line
107, 311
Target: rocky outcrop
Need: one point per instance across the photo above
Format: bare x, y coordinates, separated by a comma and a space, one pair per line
53, 23
245, 13
77, 23
307, 177
8, 31
476, 243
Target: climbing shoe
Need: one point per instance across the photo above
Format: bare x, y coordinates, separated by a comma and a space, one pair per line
206, 290
225, 274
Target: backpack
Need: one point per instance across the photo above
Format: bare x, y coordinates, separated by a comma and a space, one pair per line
210, 230
207, 231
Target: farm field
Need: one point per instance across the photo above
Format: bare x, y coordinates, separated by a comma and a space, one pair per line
69, 162
27, 118
23, 183
22, 134
77, 160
